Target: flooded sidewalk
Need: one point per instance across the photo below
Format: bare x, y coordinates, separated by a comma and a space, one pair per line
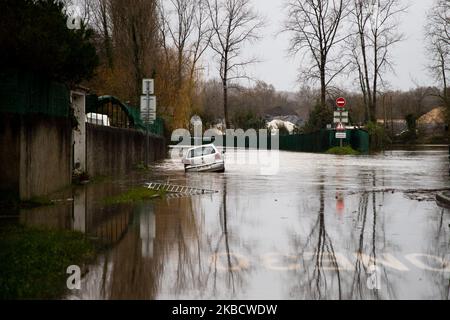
323, 227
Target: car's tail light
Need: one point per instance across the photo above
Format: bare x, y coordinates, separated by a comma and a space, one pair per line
218, 156
187, 162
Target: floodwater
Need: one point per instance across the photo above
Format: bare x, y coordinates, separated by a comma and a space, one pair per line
318, 227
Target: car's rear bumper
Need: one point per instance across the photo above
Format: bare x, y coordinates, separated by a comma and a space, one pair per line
214, 167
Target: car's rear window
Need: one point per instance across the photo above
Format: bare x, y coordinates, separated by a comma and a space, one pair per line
199, 152
208, 151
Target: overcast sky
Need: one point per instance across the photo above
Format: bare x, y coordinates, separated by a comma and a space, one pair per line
282, 71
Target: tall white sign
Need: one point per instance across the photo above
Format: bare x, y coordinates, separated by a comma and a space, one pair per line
148, 101
148, 86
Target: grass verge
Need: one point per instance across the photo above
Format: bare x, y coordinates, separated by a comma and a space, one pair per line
33, 262
36, 203
133, 195
344, 151
10, 203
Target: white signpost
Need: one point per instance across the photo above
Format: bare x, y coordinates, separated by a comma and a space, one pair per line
148, 109
148, 106
148, 86
341, 119
148, 101
341, 135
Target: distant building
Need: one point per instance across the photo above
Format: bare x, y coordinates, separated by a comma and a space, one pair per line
433, 122
275, 125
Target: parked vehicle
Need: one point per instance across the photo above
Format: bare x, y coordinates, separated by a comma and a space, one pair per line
204, 158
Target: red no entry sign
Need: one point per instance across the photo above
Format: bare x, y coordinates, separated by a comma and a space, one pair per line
341, 102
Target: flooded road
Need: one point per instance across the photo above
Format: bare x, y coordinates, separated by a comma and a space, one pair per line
324, 227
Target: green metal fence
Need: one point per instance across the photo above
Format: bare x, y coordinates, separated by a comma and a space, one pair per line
311, 142
359, 140
316, 142
158, 127
95, 104
25, 93
323, 140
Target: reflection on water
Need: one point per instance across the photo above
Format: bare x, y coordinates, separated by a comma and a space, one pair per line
325, 227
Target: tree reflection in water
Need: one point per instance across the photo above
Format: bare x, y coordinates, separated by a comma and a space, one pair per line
325, 272
439, 248
212, 246
162, 247
233, 270
315, 285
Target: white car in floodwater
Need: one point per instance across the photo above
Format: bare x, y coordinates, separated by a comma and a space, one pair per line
204, 158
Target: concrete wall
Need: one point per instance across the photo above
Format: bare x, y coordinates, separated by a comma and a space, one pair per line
35, 154
9, 153
112, 151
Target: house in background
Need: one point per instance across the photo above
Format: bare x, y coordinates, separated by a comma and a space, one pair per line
433, 123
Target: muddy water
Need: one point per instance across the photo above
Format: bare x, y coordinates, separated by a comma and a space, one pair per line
322, 227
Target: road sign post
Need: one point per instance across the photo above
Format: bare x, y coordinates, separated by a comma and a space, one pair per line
148, 101
341, 119
341, 133
341, 103
148, 110
148, 86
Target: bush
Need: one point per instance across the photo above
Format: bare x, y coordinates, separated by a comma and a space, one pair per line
379, 139
411, 135
319, 117
343, 151
247, 119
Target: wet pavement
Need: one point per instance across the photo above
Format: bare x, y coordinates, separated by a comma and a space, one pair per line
323, 227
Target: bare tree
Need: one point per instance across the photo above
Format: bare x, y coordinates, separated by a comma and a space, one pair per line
185, 34
234, 23
184, 25
376, 27
177, 25
438, 35
314, 26
101, 12
202, 35
135, 36
419, 96
96, 15
359, 58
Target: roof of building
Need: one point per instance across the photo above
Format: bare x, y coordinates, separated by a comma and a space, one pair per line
435, 116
